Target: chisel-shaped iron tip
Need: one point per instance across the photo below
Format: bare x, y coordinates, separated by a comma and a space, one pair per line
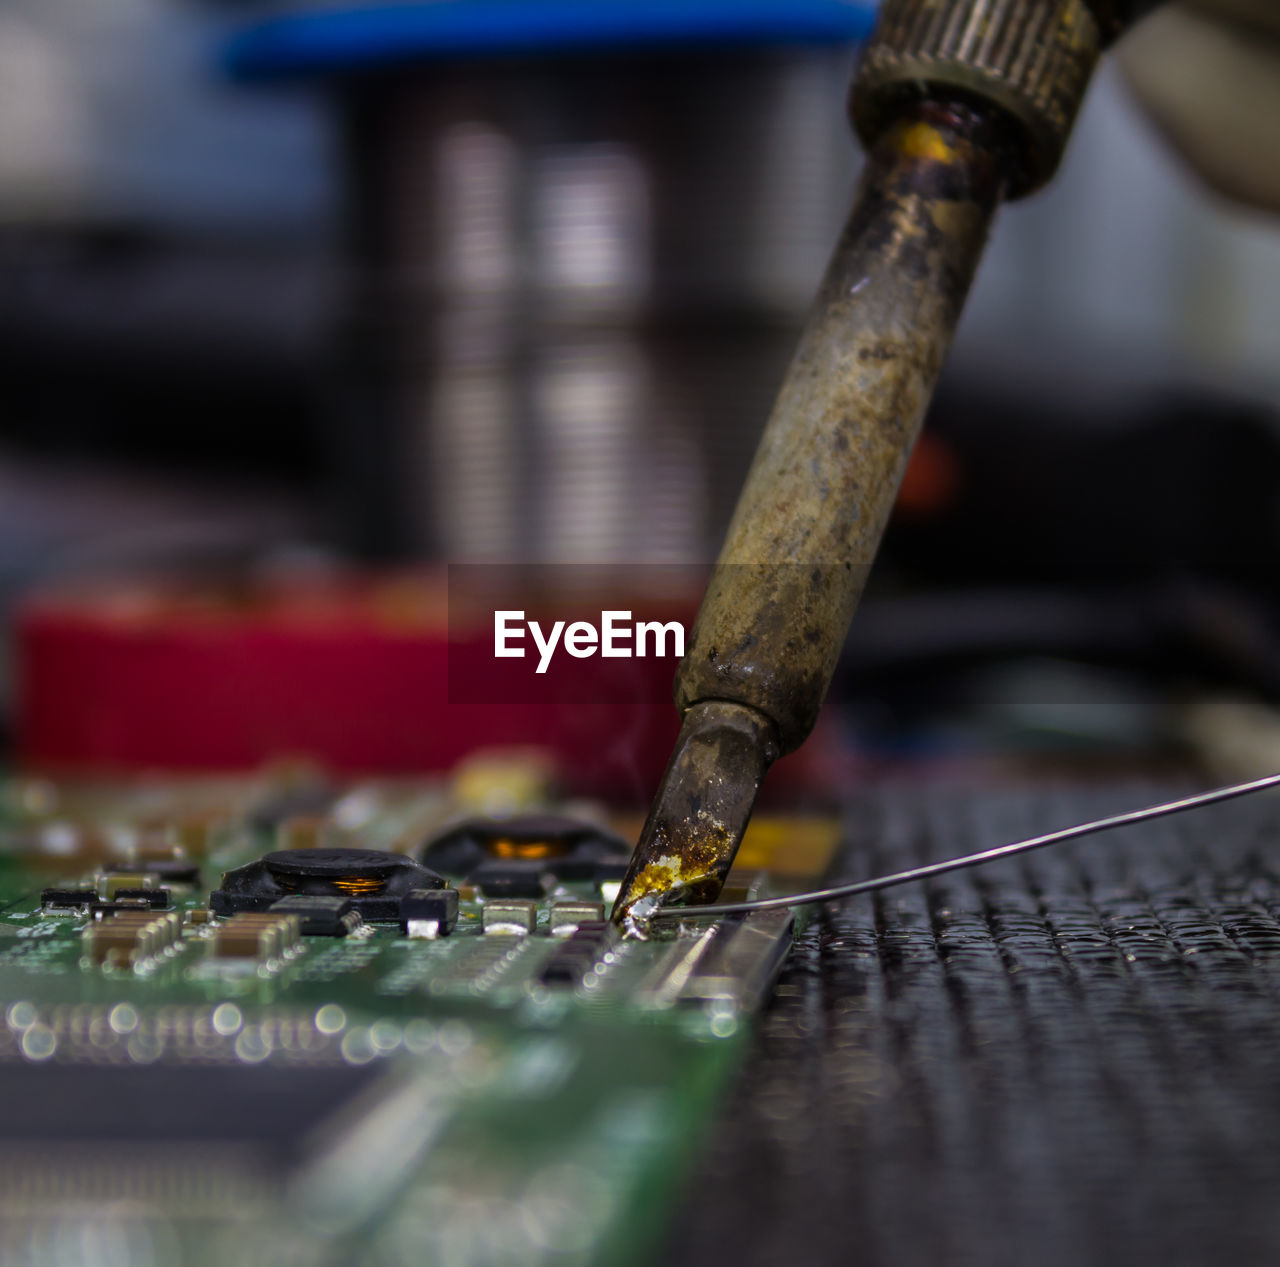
702, 808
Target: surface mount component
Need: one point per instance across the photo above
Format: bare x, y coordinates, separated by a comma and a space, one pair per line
518, 878
566, 917
256, 935
509, 916
374, 881
429, 912
579, 953
319, 915
83, 901
67, 901
112, 883
130, 937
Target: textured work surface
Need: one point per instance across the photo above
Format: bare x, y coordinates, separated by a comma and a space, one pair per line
1069, 1059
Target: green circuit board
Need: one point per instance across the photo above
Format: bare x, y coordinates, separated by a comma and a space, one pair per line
208, 1057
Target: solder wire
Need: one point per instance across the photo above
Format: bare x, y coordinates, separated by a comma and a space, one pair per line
928, 871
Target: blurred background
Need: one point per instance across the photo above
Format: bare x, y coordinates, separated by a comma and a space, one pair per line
303, 290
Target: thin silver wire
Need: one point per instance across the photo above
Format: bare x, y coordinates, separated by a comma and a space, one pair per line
974, 859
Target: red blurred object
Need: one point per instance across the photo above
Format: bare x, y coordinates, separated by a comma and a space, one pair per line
932, 479
366, 674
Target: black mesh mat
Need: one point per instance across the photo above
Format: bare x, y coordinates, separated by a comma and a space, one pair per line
1073, 1058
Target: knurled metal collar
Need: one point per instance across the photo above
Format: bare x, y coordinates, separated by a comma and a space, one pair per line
1030, 58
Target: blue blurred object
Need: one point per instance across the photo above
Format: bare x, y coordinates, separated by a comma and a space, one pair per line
370, 37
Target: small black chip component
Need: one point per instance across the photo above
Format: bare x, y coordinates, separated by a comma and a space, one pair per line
512, 879
429, 912
567, 848
67, 899
578, 953
374, 881
321, 916
262, 1118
